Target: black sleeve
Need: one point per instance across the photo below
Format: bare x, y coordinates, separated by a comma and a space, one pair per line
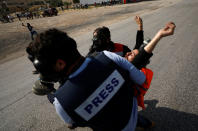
125, 50
139, 39
142, 59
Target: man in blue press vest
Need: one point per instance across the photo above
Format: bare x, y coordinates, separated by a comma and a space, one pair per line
95, 91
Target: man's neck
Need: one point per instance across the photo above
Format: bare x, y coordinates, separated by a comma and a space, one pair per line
76, 65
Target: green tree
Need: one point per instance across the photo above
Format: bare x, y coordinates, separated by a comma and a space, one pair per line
55, 3
76, 1
67, 4
4, 10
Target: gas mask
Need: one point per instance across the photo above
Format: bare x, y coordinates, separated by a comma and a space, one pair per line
42, 87
46, 70
48, 76
100, 41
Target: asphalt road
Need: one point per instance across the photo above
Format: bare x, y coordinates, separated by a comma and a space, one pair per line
172, 101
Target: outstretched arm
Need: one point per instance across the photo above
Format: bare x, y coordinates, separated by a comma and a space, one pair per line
141, 58
166, 31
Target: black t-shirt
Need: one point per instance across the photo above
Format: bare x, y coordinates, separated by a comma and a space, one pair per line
142, 59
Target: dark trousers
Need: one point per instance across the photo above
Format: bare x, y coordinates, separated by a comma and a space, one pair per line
32, 34
143, 122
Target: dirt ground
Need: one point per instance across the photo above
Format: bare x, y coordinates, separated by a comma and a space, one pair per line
14, 38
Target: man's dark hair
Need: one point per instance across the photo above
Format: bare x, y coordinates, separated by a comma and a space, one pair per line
52, 45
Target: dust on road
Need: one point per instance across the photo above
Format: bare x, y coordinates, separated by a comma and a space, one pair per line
14, 38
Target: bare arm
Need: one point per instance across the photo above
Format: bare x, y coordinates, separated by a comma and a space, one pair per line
166, 31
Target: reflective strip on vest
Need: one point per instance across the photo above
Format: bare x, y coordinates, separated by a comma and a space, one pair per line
101, 96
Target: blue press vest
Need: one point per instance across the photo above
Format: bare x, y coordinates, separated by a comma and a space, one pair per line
100, 96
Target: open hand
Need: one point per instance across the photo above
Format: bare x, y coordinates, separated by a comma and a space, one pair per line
138, 20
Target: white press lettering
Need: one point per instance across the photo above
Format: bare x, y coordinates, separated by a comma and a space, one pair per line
101, 96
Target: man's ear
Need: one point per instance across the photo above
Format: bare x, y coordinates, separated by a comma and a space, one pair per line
60, 65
